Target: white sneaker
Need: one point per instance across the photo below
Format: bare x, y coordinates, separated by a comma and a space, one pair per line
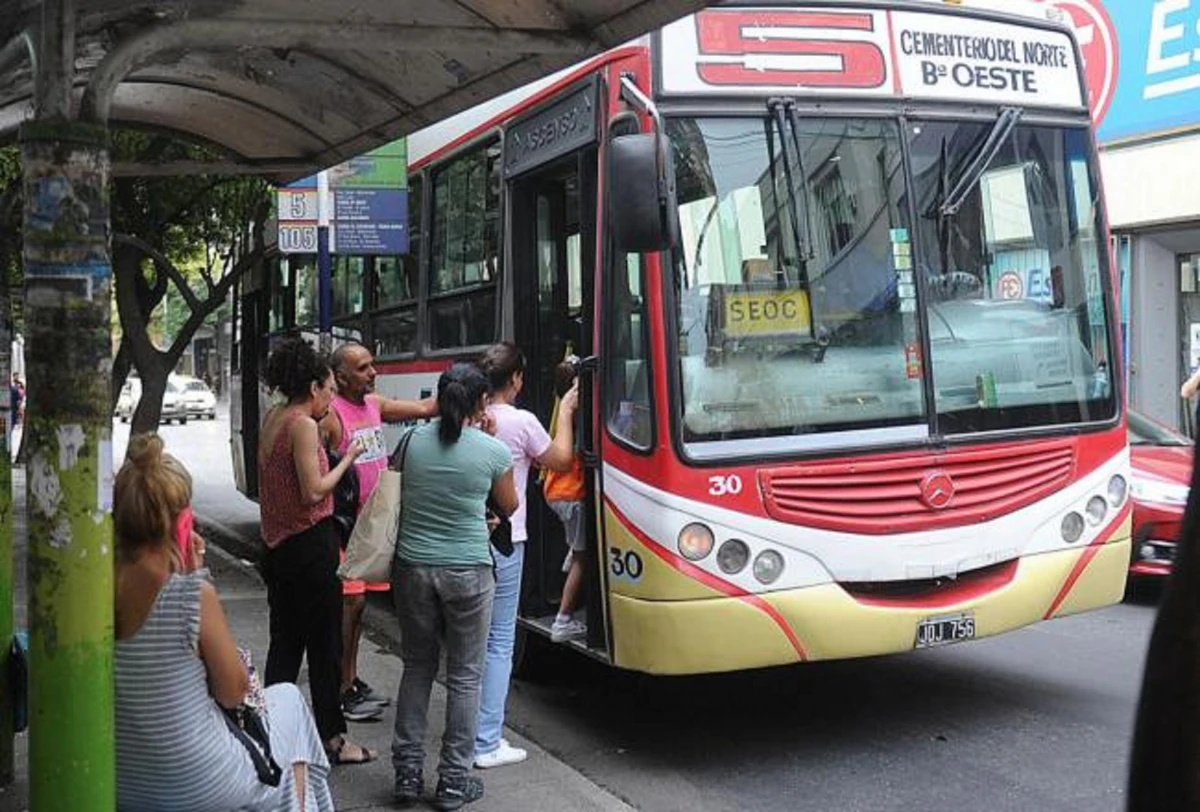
570, 630
502, 756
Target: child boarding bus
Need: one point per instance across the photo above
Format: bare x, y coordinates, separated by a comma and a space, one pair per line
838, 274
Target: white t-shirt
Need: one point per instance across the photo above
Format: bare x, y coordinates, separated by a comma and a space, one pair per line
526, 440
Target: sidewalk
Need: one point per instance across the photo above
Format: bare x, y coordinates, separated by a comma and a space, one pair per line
541, 783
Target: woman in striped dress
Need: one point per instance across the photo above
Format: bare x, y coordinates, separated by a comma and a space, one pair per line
176, 661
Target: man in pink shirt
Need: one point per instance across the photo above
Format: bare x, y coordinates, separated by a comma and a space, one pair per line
357, 412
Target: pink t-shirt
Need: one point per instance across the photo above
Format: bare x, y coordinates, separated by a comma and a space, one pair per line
526, 440
363, 420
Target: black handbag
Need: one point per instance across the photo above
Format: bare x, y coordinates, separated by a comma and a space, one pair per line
247, 727
345, 500
501, 536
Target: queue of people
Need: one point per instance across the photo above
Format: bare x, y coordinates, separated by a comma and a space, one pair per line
453, 591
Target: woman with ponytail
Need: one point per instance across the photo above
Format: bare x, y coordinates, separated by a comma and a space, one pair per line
176, 661
295, 502
442, 580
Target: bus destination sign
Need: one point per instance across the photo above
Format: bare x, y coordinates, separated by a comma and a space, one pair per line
912, 54
563, 127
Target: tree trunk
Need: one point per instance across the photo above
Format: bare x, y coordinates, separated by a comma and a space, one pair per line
148, 413
69, 430
122, 363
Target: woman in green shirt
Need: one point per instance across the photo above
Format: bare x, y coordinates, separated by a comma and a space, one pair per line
443, 581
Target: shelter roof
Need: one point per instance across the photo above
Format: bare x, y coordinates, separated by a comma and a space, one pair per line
289, 86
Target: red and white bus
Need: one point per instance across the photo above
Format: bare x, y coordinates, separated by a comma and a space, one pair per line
839, 272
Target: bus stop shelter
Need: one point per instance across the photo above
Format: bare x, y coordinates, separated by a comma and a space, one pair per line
280, 88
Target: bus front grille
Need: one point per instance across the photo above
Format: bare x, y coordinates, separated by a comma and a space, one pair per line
911, 492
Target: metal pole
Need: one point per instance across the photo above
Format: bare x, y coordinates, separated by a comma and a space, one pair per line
7, 773
68, 276
324, 263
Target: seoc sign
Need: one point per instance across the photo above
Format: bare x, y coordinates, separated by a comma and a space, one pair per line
553, 131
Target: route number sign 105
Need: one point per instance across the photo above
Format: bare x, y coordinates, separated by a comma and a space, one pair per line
298, 238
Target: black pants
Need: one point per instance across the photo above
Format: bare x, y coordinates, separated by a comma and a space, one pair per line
305, 596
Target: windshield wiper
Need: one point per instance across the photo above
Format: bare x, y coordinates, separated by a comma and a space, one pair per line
780, 115
1005, 123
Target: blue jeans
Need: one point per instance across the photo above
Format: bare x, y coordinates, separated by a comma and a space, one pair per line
436, 606
501, 637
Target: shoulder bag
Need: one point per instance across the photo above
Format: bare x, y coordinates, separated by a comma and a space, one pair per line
372, 544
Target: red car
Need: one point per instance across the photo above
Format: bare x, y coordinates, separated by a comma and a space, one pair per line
1162, 475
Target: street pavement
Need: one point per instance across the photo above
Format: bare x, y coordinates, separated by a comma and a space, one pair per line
1039, 719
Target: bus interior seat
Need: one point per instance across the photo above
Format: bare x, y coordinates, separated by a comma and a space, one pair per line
756, 270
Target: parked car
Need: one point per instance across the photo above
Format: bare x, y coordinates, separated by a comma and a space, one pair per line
173, 405
197, 397
1161, 479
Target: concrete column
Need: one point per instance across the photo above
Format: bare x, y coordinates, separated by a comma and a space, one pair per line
68, 427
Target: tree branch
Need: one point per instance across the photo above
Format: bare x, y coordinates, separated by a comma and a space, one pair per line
163, 264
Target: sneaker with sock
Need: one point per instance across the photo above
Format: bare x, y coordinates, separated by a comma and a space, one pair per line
502, 756
369, 694
564, 629
409, 785
451, 795
357, 708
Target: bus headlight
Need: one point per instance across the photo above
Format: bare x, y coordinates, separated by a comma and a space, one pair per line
732, 556
1096, 508
695, 541
768, 566
1072, 527
1117, 490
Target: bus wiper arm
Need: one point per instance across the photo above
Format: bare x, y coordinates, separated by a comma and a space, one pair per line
778, 123
1005, 123
807, 240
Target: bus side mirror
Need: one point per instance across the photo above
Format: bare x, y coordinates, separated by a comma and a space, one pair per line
641, 194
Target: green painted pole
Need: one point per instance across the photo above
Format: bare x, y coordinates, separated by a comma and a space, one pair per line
69, 431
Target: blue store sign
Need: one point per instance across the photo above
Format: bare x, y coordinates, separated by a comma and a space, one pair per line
1143, 63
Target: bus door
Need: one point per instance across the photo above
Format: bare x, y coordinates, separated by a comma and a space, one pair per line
552, 217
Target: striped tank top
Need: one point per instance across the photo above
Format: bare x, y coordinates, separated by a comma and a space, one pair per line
174, 751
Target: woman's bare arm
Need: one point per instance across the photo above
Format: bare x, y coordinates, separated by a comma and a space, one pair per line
504, 493
227, 677
305, 450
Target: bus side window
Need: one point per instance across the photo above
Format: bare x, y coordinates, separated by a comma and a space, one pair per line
627, 404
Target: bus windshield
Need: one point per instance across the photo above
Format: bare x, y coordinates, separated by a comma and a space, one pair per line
804, 290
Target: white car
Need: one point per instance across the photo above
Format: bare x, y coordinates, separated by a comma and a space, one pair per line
198, 399
173, 407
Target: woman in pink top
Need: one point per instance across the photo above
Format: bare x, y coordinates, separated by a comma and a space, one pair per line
296, 505
520, 430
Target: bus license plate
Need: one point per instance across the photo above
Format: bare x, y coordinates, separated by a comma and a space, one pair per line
940, 631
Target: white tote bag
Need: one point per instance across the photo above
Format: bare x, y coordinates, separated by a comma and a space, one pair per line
372, 544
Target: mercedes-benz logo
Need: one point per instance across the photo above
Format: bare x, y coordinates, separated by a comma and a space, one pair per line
937, 490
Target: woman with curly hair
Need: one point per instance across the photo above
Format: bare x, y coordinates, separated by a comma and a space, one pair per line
296, 505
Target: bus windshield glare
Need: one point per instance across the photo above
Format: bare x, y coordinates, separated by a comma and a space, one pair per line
806, 294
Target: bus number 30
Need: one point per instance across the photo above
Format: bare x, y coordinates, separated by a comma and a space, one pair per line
725, 485
625, 564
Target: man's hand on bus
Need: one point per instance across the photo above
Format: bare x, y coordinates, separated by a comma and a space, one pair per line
397, 411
